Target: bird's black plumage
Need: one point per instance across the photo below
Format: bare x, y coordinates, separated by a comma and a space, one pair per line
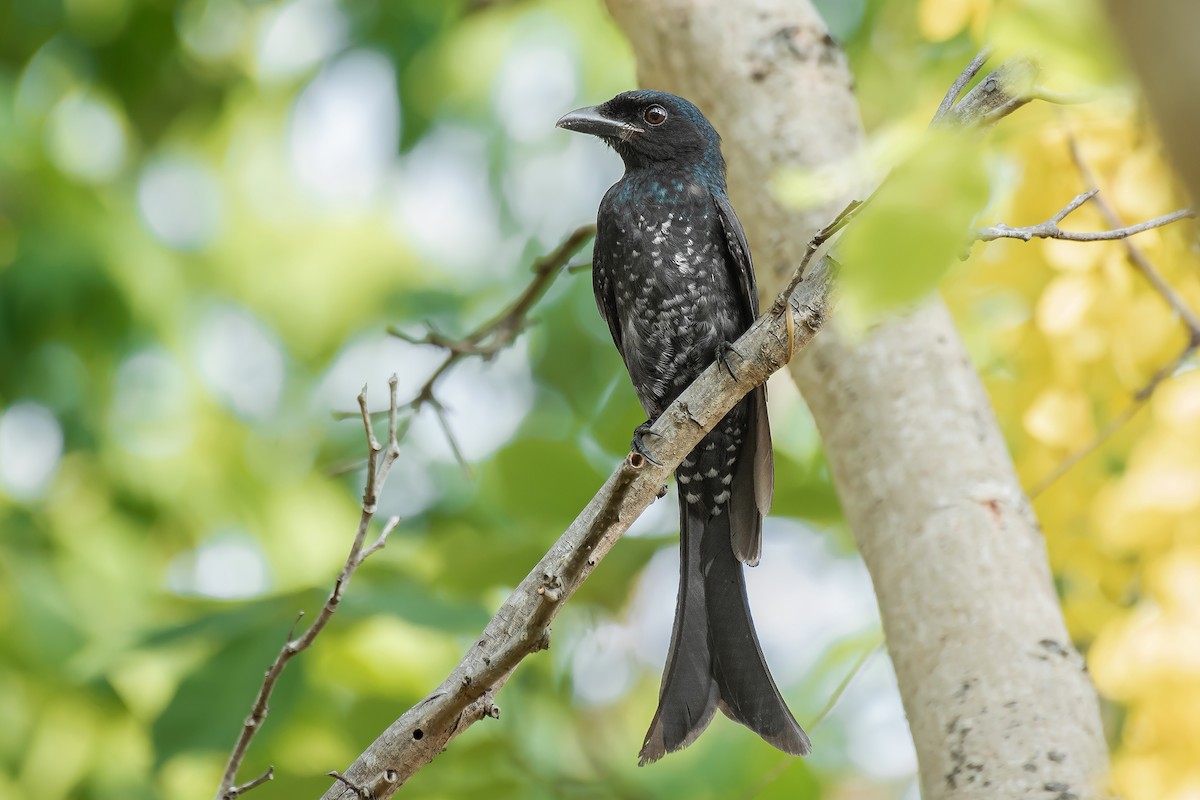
674, 281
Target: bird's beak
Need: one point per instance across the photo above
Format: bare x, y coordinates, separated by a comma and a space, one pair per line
592, 120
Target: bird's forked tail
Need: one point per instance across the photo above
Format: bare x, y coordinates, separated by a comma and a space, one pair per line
715, 660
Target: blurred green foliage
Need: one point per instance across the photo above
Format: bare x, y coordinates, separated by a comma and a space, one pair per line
210, 211
912, 230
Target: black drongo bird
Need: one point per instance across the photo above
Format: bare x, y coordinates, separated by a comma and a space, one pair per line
673, 280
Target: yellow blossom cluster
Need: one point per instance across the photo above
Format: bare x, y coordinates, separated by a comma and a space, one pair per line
1090, 372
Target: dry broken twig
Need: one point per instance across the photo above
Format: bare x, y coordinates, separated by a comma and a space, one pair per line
960, 83
379, 464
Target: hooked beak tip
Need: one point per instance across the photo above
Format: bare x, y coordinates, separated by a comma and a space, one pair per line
593, 121
580, 118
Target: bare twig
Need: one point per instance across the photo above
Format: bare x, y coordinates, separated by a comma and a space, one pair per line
1143, 264
521, 625
1136, 255
1061, 98
1049, 229
814, 245
960, 83
439, 411
379, 464
485, 342
499, 332
359, 791
237, 791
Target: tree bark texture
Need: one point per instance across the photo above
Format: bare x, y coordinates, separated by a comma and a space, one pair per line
1160, 38
997, 698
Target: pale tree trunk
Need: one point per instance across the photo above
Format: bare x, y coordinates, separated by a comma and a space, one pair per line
998, 700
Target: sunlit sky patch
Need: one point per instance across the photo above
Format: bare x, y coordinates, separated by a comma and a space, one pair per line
31, 444
85, 137
602, 664
536, 83
151, 413
296, 36
180, 201
228, 566
240, 361
537, 179
442, 203
345, 127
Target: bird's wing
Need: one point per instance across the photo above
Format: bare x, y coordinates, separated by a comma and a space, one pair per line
606, 298
739, 262
758, 441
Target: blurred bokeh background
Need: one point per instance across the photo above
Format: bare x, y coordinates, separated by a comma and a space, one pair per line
211, 211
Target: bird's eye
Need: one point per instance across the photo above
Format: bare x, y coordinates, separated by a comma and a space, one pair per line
655, 115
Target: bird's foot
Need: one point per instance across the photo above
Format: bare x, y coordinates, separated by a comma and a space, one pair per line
723, 351
639, 446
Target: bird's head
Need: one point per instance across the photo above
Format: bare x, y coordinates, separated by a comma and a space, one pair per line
649, 129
